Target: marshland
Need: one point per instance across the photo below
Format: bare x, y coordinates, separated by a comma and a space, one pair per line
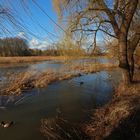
69, 70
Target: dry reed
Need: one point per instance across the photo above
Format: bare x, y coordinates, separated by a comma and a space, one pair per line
27, 80
61, 129
25, 59
116, 115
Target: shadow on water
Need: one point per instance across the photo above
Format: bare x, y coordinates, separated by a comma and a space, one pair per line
68, 97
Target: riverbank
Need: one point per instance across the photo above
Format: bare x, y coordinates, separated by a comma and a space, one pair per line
119, 119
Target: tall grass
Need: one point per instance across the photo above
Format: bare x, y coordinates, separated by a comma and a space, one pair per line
60, 129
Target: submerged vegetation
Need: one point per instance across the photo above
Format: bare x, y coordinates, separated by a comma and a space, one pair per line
18, 83
30, 59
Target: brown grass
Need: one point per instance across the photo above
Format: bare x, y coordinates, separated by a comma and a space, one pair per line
28, 80
61, 129
119, 119
28, 59
4, 60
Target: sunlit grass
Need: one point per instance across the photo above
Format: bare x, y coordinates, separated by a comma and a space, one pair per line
5, 60
20, 82
120, 115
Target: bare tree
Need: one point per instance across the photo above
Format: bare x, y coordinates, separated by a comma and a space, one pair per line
113, 18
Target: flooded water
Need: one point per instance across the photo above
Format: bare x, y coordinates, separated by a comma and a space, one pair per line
41, 66
5, 69
68, 98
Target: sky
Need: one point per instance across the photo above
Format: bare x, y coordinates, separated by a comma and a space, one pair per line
34, 23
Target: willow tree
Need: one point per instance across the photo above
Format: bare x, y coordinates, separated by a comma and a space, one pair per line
112, 17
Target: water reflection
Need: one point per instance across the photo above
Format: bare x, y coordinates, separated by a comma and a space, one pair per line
5, 70
45, 65
68, 97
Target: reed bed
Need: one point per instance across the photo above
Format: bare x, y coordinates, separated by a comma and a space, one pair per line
25, 59
60, 129
29, 59
18, 83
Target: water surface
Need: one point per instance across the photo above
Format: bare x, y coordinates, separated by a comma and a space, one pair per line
68, 98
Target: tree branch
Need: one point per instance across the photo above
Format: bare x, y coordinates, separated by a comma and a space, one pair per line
111, 16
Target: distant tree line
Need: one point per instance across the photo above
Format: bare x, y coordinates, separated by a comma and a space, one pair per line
14, 47
19, 47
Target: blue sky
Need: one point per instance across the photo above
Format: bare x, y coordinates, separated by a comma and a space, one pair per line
36, 27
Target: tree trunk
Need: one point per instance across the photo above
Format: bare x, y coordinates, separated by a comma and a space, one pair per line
124, 83
131, 63
131, 49
123, 61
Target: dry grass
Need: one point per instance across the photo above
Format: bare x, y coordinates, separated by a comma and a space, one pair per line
117, 119
61, 129
5, 60
104, 121
28, 59
21, 82
108, 118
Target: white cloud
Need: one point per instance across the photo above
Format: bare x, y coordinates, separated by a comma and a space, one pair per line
21, 35
36, 44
